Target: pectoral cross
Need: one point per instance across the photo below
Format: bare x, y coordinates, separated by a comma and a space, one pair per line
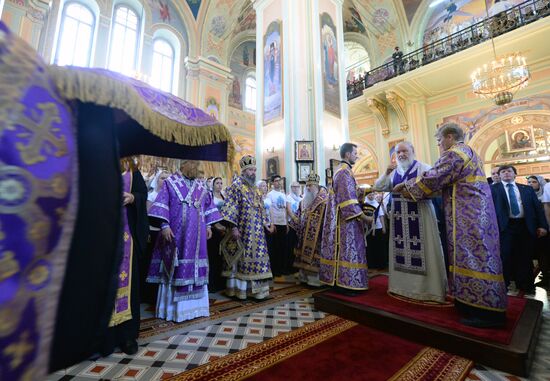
17, 351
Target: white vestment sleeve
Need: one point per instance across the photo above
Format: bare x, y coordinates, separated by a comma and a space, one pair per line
384, 183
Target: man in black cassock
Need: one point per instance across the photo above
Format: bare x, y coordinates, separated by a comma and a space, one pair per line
125, 333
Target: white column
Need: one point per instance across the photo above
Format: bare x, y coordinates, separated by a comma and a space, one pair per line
303, 115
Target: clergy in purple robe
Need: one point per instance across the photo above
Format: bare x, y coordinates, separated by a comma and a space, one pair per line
38, 201
307, 221
416, 263
180, 258
247, 268
475, 267
343, 252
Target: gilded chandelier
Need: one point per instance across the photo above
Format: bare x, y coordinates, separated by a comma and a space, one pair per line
501, 78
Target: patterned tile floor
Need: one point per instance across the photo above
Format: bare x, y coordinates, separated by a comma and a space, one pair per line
164, 358
161, 359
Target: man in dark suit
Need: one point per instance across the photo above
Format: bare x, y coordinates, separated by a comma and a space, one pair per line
520, 219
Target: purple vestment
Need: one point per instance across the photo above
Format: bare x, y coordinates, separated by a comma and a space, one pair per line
187, 207
343, 251
244, 209
122, 310
309, 230
38, 185
408, 230
472, 231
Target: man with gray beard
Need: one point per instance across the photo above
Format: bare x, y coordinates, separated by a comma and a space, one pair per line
308, 223
248, 270
416, 263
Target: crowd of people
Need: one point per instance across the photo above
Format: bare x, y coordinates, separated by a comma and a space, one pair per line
440, 231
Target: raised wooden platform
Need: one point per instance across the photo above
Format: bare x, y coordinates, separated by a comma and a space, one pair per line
515, 358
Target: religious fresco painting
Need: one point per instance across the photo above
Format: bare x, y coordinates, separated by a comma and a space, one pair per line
329, 58
242, 63
520, 139
195, 6
235, 97
163, 11
472, 121
244, 145
272, 166
213, 107
273, 73
246, 19
411, 7
453, 15
353, 21
304, 150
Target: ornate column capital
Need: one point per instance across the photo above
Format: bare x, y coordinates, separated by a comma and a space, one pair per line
380, 112
205, 68
398, 104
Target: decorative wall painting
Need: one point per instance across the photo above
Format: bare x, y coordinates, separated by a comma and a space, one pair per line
304, 150
213, 107
329, 58
304, 169
273, 73
272, 166
520, 139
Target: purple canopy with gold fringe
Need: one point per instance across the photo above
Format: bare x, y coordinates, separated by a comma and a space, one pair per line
147, 117
39, 179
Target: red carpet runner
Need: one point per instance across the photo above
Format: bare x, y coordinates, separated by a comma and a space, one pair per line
445, 317
334, 349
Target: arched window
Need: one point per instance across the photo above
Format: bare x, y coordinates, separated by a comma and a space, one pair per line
74, 45
356, 59
162, 74
250, 94
124, 40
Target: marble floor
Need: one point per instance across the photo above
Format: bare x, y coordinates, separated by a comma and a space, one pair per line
162, 358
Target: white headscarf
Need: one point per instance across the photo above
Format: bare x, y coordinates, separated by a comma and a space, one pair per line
153, 191
542, 183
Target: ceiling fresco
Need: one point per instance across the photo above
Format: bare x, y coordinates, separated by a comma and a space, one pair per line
164, 12
224, 20
195, 6
453, 15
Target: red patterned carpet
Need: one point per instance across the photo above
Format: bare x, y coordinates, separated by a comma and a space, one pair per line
334, 349
444, 317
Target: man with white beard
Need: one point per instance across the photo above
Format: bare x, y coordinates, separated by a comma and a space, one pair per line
308, 223
416, 263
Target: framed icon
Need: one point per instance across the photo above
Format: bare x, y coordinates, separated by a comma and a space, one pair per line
520, 139
304, 150
304, 169
272, 166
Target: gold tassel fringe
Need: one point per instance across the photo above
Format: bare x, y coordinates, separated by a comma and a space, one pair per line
94, 87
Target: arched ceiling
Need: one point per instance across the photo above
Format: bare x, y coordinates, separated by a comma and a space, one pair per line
384, 23
224, 21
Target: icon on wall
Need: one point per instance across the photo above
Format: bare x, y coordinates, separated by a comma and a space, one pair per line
520, 139
304, 150
304, 169
272, 166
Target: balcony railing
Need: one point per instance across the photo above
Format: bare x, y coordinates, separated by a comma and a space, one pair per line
513, 18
